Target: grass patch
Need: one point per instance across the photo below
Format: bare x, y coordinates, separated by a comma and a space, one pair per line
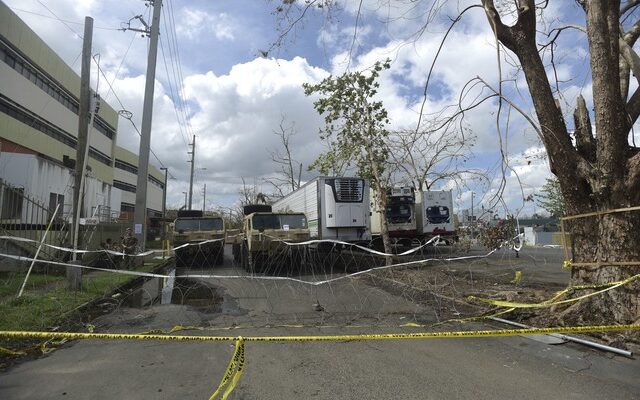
47, 302
11, 283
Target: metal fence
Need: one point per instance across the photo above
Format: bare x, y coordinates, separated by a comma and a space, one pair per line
25, 217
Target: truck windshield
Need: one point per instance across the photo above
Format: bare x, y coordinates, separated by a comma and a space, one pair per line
276, 221
293, 221
398, 213
266, 221
438, 214
208, 224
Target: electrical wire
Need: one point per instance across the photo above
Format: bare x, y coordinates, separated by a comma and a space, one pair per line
63, 20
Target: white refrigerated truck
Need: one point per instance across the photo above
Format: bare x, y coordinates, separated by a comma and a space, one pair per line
416, 215
336, 208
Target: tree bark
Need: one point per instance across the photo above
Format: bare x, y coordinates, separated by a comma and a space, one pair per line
599, 173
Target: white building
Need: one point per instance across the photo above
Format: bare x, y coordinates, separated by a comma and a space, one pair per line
39, 96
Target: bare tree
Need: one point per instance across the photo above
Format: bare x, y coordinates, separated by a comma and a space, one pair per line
249, 194
427, 157
598, 171
289, 174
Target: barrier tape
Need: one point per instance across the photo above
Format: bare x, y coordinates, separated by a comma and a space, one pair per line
366, 249
596, 213
112, 252
235, 368
554, 300
4, 350
231, 277
233, 373
322, 338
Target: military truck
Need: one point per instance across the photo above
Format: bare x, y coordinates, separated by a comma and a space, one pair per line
203, 236
261, 244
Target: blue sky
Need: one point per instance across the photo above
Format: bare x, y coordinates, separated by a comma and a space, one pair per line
233, 99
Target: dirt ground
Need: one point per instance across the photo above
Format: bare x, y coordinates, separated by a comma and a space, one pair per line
533, 276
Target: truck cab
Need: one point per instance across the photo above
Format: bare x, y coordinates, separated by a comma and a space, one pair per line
263, 239
198, 239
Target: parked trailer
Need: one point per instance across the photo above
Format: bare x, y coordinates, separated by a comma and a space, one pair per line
416, 216
336, 208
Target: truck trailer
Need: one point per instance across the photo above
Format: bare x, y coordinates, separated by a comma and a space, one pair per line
415, 215
336, 208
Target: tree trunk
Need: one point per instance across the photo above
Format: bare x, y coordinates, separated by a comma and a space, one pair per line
598, 174
381, 204
601, 239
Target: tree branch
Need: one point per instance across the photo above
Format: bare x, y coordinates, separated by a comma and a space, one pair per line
585, 142
628, 6
502, 31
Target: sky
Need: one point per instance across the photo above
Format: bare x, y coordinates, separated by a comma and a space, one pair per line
219, 77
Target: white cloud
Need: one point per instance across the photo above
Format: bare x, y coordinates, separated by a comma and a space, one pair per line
196, 24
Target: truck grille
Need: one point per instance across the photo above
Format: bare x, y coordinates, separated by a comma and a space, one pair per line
349, 189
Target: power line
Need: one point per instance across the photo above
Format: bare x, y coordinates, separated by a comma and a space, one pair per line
175, 107
124, 108
175, 67
65, 23
62, 20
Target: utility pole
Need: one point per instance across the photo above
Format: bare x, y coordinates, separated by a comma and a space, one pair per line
185, 200
82, 148
164, 192
140, 213
193, 157
473, 222
204, 197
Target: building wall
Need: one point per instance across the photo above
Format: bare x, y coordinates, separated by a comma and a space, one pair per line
39, 97
40, 178
127, 179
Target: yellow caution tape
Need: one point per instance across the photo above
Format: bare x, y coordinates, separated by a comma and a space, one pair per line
10, 352
596, 213
236, 366
233, 373
554, 300
517, 277
323, 338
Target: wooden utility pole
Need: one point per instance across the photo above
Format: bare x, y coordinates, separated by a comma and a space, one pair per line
82, 148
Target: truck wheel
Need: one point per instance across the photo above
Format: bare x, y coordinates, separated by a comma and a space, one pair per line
220, 257
244, 256
235, 249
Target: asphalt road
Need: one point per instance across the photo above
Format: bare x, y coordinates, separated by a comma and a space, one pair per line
486, 368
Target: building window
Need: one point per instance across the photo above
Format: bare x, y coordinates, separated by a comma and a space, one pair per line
11, 203
54, 200
26, 117
125, 166
127, 207
127, 187
54, 90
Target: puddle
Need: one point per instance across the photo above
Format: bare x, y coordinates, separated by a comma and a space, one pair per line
197, 295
